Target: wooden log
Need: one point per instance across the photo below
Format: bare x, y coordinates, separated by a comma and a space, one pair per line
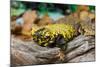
80, 49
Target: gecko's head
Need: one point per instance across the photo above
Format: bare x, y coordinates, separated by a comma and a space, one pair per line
54, 35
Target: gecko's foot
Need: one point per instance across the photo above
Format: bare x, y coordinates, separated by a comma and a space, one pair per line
61, 55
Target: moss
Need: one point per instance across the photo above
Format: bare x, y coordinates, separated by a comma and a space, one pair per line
54, 35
